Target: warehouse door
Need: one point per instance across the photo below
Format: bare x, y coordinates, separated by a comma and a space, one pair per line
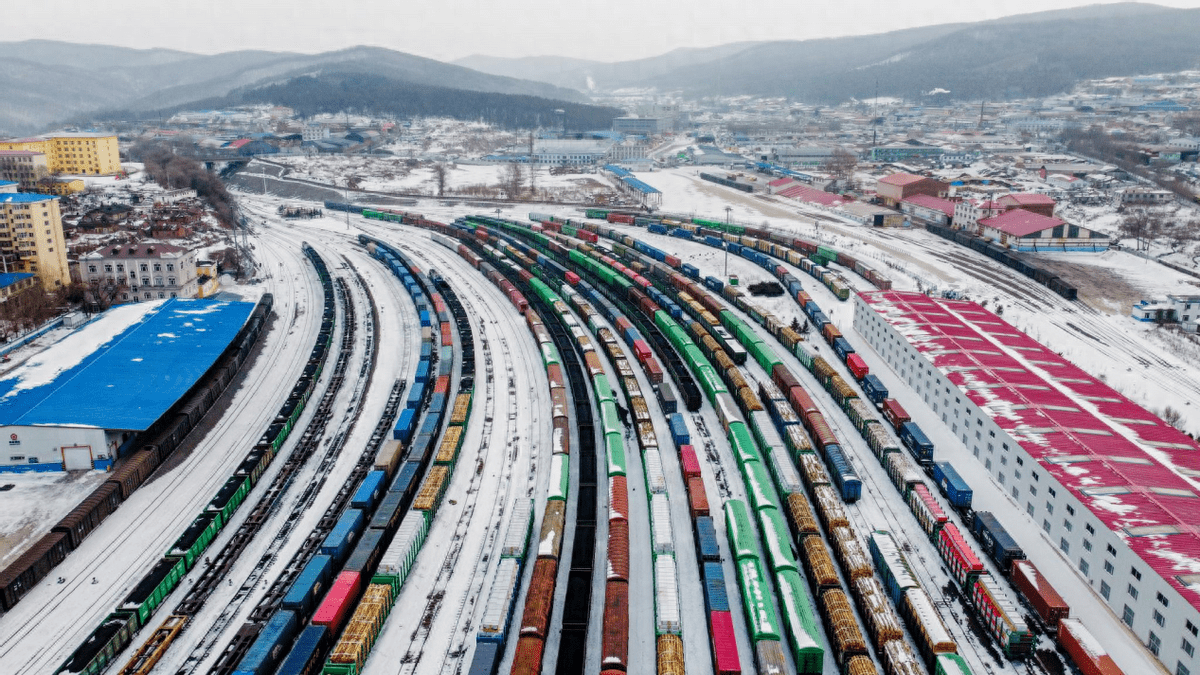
77, 457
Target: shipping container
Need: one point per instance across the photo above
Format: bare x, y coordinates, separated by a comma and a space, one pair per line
520, 526
1041, 596
724, 643
997, 543
964, 565
1086, 651
895, 413
339, 602
707, 547
697, 498
498, 608
952, 485
305, 656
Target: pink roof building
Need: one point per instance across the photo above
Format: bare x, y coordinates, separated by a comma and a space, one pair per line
1019, 223
898, 186
1028, 201
928, 210
803, 193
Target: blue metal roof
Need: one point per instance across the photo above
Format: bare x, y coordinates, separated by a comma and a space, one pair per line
639, 185
129, 381
7, 182
9, 278
24, 197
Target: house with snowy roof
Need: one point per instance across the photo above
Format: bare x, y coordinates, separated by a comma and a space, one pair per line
1023, 230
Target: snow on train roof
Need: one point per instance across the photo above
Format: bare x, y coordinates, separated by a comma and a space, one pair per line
1138, 475
124, 369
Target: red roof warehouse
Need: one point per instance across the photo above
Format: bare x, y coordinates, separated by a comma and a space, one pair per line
1136, 478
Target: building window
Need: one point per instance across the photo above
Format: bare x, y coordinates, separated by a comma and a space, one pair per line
1052, 492
1181, 669
1070, 510
157, 267
1187, 648
1035, 476
1087, 545
170, 281
1110, 549
1154, 643
1127, 616
1108, 567
1029, 508
108, 268
1133, 591
1162, 600
1191, 627
1049, 507
987, 463
170, 267
1066, 525
1084, 566
1105, 590
1064, 545
1032, 490
1015, 492
1089, 528
1046, 525
1159, 618
1136, 574
92, 269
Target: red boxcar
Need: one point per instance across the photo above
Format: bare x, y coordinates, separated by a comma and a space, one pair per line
562, 436
554, 372
895, 413
689, 461
803, 298
724, 644
783, 377
572, 278
801, 402
654, 371
527, 660
1046, 602
618, 498
642, 350
958, 554
589, 237
1085, 650
618, 550
697, 498
858, 367
672, 261
536, 618
614, 643
819, 429
623, 324
620, 218
558, 401
339, 601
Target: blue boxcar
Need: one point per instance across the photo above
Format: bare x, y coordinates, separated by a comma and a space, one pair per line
952, 485
271, 645
716, 599
632, 334
843, 474
366, 553
679, 431
388, 506
996, 541
415, 396
917, 442
841, 347
406, 477
369, 491
404, 426
307, 588
666, 398
420, 447
487, 655
811, 308
714, 241
682, 233
340, 540
657, 228
706, 540
733, 248
714, 284
820, 320
422, 372
874, 389
437, 403
430, 425
305, 656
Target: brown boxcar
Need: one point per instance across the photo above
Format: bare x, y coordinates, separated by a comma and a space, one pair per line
92, 511
31, 567
527, 660
535, 620
1046, 602
697, 498
618, 550
1085, 650
554, 522
614, 642
134, 471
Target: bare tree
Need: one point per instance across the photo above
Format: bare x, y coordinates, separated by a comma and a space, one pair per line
1140, 226
514, 178
1172, 416
439, 177
532, 180
841, 165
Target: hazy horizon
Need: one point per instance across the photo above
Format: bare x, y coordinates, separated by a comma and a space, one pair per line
448, 30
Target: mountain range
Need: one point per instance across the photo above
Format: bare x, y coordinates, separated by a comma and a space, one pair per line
45, 83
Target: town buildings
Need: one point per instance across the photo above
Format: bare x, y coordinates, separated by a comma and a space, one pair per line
31, 238
135, 272
73, 153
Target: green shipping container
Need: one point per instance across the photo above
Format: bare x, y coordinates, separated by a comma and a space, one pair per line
615, 451
761, 618
742, 444
740, 529
800, 622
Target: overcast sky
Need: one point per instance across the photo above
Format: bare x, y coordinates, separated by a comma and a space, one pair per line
606, 30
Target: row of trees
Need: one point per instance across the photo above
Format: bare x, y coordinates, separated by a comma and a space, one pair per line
173, 171
1144, 227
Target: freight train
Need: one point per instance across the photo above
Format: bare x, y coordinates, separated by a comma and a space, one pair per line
1005, 257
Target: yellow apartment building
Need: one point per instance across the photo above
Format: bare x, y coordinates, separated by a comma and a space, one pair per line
74, 153
31, 238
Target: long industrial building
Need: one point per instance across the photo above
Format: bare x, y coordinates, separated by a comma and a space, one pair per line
1112, 484
79, 403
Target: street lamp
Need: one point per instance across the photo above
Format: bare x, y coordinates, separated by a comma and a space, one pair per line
728, 209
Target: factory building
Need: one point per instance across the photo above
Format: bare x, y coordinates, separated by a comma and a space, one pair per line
80, 403
1112, 486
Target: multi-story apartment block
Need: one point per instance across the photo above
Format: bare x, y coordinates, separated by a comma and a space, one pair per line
24, 167
72, 152
135, 272
31, 238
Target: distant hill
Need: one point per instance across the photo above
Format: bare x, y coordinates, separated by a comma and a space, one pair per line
332, 92
1027, 55
46, 82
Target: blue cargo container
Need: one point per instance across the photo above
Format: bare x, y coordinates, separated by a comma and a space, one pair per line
841, 347
675, 311
714, 241
425, 321
384, 515
437, 403
406, 477
340, 540
426, 350
430, 425
422, 372
682, 233
952, 485
369, 491
820, 320
305, 656
486, 658
716, 599
811, 308
420, 447
679, 431
632, 334
658, 255
714, 284
690, 270
917, 442
666, 398
366, 553
733, 248
404, 426
446, 353
996, 541
843, 474
415, 396
706, 540
657, 228
874, 389
306, 589
271, 645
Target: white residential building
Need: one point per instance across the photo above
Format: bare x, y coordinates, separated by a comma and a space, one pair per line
135, 272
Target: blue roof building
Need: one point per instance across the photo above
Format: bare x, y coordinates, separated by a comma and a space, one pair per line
8, 186
77, 402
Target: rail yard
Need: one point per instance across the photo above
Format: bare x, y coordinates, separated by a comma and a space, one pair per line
575, 441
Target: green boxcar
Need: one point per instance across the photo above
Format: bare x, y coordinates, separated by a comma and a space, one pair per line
777, 537
741, 530
710, 381
108, 640
805, 355
549, 354
761, 618
614, 445
764, 355
600, 214
951, 664
801, 623
742, 444
603, 390
759, 486
610, 420
154, 588
230, 497
560, 477
196, 538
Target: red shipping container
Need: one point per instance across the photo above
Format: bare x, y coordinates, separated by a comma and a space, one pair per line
618, 498
654, 371
642, 350
689, 461
783, 377
589, 237
697, 498
858, 367
724, 644
339, 601
442, 386
618, 550
1085, 650
1046, 602
527, 660
481, 232
447, 339
958, 554
895, 413
672, 261
803, 298
801, 402
830, 331
614, 643
535, 620
623, 324
572, 278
